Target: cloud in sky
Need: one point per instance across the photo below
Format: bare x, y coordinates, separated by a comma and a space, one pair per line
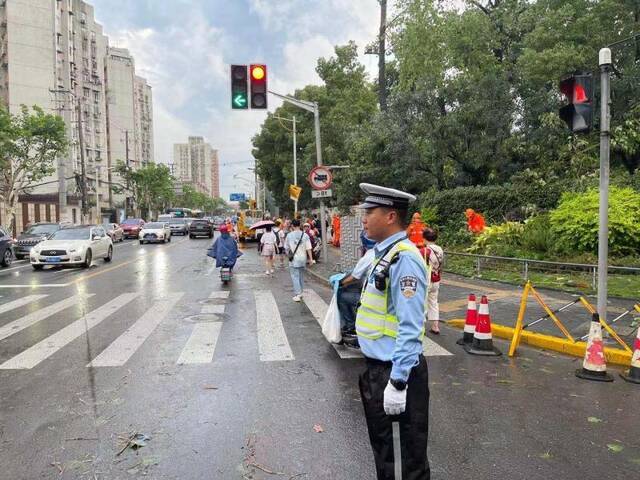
184, 49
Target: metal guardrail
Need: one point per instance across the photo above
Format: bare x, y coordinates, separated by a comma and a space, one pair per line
527, 263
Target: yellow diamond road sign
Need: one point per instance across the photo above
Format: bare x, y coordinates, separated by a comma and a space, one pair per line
294, 192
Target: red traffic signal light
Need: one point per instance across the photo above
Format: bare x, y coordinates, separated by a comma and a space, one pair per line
258, 79
239, 87
578, 113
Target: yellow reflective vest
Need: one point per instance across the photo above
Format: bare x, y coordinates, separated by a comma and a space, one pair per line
373, 319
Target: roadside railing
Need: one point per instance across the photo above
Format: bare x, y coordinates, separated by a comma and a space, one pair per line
523, 268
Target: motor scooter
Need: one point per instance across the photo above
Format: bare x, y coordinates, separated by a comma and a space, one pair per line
226, 274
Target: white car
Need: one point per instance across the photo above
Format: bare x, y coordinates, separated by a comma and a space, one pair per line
73, 246
155, 232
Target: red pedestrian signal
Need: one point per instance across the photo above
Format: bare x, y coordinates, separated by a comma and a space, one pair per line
258, 79
239, 87
578, 114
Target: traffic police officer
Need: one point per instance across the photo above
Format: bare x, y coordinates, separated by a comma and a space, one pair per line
390, 327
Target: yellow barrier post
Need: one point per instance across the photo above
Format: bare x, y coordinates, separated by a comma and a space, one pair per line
517, 332
552, 315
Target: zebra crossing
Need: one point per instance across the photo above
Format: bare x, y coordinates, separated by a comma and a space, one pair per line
199, 348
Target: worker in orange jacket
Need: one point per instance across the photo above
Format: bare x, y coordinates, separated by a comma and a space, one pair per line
414, 232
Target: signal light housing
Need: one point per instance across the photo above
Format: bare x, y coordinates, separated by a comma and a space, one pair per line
578, 114
258, 79
239, 87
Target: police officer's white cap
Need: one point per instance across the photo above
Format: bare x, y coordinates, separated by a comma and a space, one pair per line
378, 196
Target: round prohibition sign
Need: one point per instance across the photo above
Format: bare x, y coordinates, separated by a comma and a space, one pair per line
320, 178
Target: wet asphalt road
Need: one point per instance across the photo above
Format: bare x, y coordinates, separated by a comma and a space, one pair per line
252, 408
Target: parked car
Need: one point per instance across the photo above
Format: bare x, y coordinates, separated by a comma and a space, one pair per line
178, 226
199, 228
114, 231
131, 227
73, 246
34, 234
6, 253
155, 232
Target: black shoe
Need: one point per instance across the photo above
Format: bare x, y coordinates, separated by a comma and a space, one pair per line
351, 342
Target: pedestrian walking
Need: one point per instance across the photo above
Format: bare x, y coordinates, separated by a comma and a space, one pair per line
390, 326
280, 236
268, 247
298, 246
435, 259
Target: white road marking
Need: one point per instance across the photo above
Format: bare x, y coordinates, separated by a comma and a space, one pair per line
212, 269
201, 344
37, 285
213, 309
220, 294
432, 349
14, 268
272, 339
50, 345
39, 315
5, 307
318, 308
119, 352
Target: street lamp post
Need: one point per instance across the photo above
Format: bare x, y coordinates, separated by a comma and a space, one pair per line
313, 108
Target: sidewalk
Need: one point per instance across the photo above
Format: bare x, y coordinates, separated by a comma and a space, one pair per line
505, 302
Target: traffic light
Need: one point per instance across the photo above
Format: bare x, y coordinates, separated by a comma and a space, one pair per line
239, 87
578, 114
258, 77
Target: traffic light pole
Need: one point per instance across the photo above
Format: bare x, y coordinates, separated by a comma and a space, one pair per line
605, 137
313, 108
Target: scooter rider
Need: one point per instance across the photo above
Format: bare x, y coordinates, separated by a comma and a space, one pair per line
224, 247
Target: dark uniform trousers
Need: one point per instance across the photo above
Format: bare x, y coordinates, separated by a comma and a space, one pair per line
413, 423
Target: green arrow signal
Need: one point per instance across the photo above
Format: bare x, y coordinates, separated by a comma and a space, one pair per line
240, 100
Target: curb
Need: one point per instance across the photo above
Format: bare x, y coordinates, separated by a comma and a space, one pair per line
317, 276
615, 356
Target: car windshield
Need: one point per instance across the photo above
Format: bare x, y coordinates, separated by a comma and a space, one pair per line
72, 234
39, 229
131, 221
178, 221
203, 222
154, 225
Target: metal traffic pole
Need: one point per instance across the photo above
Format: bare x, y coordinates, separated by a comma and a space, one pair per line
605, 137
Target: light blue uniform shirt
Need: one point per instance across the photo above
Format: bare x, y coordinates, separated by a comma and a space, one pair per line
407, 274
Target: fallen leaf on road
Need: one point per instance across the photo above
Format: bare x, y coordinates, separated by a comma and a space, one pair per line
506, 382
318, 429
546, 370
635, 460
594, 420
546, 455
615, 447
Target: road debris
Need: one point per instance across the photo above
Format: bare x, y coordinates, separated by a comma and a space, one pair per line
135, 441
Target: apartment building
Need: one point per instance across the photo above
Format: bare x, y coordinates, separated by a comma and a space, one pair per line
196, 164
55, 55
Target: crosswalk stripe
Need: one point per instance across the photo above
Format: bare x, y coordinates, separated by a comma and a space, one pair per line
220, 294
318, 308
212, 309
201, 344
5, 307
50, 345
432, 349
272, 339
39, 315
119, 352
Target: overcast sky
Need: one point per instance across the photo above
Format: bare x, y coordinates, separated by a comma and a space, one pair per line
184, 49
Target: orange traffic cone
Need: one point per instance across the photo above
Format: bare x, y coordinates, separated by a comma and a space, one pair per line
633, 375
470, 322
594, 366
482, 343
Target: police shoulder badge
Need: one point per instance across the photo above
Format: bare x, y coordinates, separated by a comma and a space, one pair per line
408, 285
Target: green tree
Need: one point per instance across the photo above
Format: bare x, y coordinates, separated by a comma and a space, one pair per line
29, 144
152, 186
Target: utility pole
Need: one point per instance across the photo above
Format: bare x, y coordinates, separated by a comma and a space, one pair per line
295, 167
127, 201
605, 138
98, 209
83, 172
382, 77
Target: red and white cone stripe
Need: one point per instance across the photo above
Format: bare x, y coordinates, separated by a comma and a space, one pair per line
471, 319
635, 359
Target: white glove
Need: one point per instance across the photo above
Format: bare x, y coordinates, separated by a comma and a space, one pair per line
395, 401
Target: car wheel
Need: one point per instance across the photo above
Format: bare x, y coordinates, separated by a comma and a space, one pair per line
87, 260
109, 254
141, 242
7, 257
191, 236
37, 267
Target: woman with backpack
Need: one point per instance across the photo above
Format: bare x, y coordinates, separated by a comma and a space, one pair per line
280, 236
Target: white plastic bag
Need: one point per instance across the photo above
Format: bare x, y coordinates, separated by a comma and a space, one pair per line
331, 325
